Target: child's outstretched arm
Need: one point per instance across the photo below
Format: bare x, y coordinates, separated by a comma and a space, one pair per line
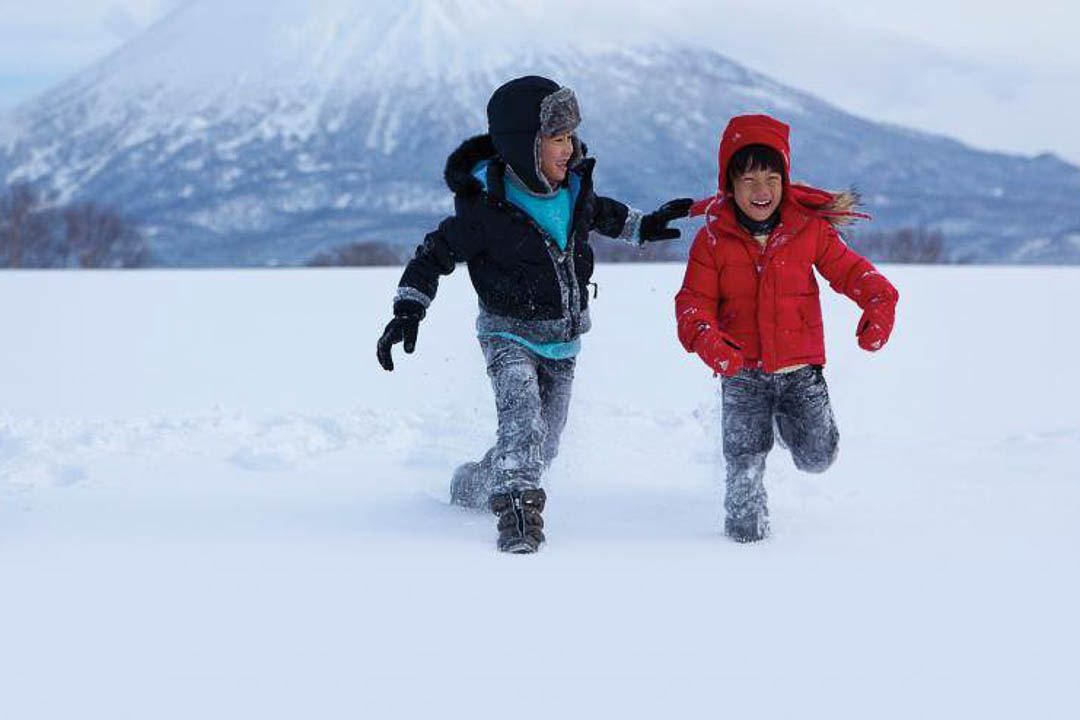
620, 221
696, 306
855, 276
454, 241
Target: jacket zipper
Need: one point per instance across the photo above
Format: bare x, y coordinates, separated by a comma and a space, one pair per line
759, 256
563, 260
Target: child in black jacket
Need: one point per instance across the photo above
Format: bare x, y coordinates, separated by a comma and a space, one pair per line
524, 208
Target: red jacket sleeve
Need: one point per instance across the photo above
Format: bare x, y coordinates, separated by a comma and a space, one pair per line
850, 273
697, 302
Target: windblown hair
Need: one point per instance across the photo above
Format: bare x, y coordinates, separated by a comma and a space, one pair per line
751, 158
843, 208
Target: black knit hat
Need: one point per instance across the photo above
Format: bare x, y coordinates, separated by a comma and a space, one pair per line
519, 113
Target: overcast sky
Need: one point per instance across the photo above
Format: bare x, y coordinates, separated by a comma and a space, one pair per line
1001, 76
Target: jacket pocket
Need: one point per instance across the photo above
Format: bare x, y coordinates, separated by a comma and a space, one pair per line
810, 310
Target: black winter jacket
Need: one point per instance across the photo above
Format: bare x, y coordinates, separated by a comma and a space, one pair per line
526, 285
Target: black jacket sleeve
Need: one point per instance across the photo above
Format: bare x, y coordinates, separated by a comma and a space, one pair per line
609, 216
616, 220
455, 240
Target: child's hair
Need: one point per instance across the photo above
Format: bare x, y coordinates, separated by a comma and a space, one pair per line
751, 158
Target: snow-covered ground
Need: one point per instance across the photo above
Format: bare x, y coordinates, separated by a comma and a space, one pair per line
214, 504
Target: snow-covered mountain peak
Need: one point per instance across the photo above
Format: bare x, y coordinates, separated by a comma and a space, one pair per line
241, 47
278, 69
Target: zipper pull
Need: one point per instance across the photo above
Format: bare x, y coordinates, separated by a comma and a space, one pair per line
595, 290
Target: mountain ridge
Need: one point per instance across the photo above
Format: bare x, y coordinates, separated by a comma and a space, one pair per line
242, 170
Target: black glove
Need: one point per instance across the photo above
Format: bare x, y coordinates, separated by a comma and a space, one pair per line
654, 225
407, 317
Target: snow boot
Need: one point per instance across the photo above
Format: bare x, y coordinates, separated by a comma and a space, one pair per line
748, 528
467, 487
521, 525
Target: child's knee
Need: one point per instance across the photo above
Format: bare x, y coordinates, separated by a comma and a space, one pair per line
744, 437
818, 460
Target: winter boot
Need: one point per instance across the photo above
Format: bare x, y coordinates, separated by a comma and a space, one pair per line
521, 526
747, 528
467, 487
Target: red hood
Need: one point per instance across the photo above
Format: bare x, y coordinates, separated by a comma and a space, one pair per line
745, 130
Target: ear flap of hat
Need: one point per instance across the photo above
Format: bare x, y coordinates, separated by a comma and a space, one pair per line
580, 151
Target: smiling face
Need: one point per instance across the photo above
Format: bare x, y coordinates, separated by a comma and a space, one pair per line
758, 192
555, 154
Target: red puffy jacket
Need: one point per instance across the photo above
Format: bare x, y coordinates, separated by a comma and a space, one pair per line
766, 299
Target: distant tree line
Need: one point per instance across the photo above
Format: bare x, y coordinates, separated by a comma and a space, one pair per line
616, 251
37, 234
381, 253
904, 245
363, 254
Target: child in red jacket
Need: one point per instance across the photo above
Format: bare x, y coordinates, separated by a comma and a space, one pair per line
749, 308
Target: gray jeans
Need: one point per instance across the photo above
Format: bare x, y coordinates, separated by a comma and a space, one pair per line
532, 397
798, 403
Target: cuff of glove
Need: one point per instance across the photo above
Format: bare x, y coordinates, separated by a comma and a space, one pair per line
631, 231
697, 332
707, 331
409, 309
718, 351
405, 292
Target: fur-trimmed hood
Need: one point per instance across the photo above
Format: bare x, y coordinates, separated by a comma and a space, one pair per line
463, 161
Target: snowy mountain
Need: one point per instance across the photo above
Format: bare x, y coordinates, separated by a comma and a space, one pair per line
256, 133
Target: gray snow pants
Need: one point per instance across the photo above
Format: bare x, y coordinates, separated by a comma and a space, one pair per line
798, 403
532, 397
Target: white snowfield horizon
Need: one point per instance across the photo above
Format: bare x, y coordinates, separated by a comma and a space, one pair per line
215, 504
